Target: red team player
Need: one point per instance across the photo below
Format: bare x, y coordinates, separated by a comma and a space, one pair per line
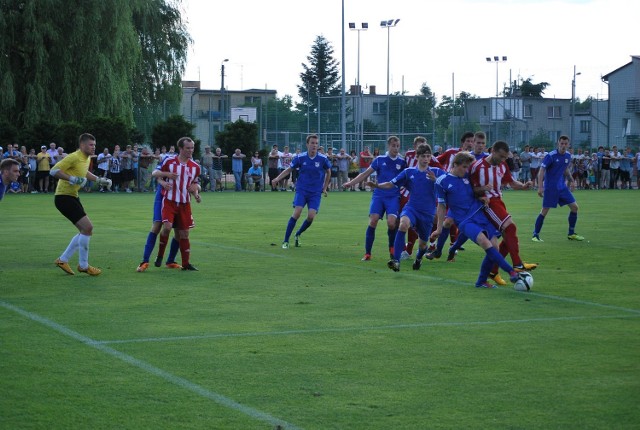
176, 202
487, 175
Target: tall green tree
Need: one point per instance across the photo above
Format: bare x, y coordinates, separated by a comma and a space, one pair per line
67, 61
321, 82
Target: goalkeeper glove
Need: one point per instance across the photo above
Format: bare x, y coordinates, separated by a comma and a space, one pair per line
77, 180
105, 182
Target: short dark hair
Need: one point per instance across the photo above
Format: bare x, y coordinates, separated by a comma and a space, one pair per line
182, 140
466, 135
7, 163
309, 137
500, 145
423, 148
85, 137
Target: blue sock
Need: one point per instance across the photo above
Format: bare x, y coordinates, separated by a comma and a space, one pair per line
290, 225
392, 238
459, 242
173, 250
369, 237
538, 227
485, 269
573, 218
442, 239
305, 225
398, 245
494, 255
148, 247
421, 252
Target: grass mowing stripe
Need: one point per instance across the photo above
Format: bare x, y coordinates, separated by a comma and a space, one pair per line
181, 382
355, 329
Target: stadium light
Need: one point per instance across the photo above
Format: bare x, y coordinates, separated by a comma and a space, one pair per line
496, 59
388, 24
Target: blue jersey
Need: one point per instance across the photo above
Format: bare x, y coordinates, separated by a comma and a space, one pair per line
387, 168
555, 165
481, 155
312, 172
457, 194
422, 190
2, 189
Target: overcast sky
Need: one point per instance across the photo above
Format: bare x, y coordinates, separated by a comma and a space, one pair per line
443, 43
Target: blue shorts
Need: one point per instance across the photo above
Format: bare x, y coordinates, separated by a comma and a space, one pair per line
311, 200
553, 198
421, 221
157, 208
476, 224
389, 204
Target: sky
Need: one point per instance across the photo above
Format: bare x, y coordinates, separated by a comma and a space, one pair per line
442, 43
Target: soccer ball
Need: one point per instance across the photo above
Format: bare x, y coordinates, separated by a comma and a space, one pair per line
524, 283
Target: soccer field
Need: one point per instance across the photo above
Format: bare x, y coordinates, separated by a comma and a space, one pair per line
311, 337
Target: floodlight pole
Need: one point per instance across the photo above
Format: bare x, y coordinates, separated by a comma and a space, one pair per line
388, 24
222, 103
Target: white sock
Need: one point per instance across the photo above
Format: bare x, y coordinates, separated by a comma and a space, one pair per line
71, 249
83, 250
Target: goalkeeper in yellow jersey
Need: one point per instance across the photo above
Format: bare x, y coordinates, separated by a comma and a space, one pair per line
73, 172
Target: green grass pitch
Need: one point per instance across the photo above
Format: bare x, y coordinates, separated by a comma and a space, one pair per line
311, 337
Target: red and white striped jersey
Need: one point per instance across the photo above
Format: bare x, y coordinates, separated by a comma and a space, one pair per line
446, 158
188, 173
483, 173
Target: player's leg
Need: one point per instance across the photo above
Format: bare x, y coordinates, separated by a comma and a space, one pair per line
442, 239
376, 210
299, 202
573, 219
392, 208
539, 222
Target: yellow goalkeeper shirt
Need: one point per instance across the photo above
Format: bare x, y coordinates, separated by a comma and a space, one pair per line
75, 164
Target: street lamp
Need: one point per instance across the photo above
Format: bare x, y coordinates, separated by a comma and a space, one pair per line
497, 60
388, 24
359, 116
573, 103
222, 103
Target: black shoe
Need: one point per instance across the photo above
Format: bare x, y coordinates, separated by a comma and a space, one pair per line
435, 254
461, 248
297, 241
189, 267
452, 256
158, 261
417, 264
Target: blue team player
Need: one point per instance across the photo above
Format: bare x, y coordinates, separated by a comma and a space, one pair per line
420, 209
383, 201
454, 191
313, 178
555, 170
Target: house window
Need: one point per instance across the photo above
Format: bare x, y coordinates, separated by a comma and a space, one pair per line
528, 111
484, 110
554, 136
249, 100
554, 112
379, 107
585, 126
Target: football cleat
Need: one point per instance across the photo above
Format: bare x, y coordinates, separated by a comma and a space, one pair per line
173, 265
575, 237
434, 254
297, 241
485, 285
143, 266
158, 261
394, 265
451, 257
536, 238
90, 270
514, 275
405, 256
190, 267
497, 278
367, 257
64, 266
525, 267
417, 264
285, 245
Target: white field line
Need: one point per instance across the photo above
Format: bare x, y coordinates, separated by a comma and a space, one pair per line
169, 377
361, 329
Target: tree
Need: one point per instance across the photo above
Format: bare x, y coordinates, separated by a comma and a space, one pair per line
320, 79
529, 89
68, 61
239, 134
167, 133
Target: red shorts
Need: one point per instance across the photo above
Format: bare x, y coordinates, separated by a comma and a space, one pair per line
177, 214
497, 212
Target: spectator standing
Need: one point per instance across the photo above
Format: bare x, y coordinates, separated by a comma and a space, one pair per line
343, 160
217, 169
33, 171
53, 159
625, 169
525, 162
285, 161
272, 164
364, 161
115, 168
126, 168
103, 165
616, 156
605, 170
333, 184
256, 159
236, 166
354, 168
44, 167
207, 165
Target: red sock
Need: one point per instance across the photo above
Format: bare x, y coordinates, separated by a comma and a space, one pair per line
412, 237
185, 251
453, 233
510, 238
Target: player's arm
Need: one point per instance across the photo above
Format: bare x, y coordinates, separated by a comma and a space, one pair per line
157, 173
327, 180
284, 173
361, 177
541, 180
441, 214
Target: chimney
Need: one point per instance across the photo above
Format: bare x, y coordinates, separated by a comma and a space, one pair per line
372, 89
354, 90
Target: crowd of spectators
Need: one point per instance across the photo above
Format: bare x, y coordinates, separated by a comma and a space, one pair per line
130, 168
